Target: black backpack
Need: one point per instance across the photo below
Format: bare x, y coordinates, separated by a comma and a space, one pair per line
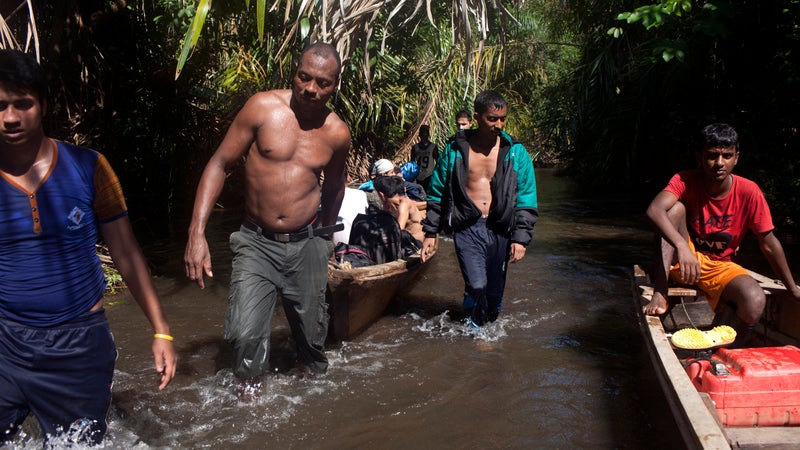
378, 233
355, 255
410, 244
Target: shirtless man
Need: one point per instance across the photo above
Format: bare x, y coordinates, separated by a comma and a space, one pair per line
701, 252
289, 137
391, 191
483, 189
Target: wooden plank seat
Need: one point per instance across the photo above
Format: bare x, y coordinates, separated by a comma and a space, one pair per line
688, 306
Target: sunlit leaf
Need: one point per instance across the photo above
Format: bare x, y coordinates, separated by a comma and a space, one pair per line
261, 8
193, 34
305, 27
614, 31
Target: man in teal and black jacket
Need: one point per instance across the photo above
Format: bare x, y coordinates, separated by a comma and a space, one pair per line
483, 190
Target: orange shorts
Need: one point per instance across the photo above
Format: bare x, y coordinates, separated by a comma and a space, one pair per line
714, 275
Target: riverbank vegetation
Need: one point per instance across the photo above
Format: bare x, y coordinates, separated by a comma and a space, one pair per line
614, 92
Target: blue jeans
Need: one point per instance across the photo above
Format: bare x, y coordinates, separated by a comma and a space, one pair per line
62, 374
262, 269
482, 255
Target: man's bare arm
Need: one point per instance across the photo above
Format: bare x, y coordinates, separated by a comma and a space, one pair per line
130, 262
238, 139
403, 212
773, 251
335, 177
657, 212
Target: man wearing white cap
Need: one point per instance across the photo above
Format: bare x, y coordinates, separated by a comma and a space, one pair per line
381, 167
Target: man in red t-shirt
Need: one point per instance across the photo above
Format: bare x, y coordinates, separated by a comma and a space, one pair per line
702, 216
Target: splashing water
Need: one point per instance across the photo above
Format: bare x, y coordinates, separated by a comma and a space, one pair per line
443, 326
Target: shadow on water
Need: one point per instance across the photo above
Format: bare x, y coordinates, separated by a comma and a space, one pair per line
609, 340
578, 271
599, 240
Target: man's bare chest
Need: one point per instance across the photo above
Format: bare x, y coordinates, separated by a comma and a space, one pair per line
482, 166
290, 145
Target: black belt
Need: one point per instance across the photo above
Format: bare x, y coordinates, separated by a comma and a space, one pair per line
307, 233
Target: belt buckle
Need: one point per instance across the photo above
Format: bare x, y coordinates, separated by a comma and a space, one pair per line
282, 237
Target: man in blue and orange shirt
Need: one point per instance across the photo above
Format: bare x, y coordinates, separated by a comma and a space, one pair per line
56, 349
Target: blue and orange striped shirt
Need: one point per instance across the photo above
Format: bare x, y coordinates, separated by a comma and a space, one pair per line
49, 270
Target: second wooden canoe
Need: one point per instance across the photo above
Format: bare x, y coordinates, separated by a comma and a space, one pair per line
695, 412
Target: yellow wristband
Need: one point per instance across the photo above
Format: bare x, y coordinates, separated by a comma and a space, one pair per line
163, 336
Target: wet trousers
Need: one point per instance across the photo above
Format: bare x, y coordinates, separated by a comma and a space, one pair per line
261, 270
61, 374
483, 256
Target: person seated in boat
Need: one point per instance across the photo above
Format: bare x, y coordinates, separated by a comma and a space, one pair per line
353, 204
701, 217
391, 191
409, 172
381, 167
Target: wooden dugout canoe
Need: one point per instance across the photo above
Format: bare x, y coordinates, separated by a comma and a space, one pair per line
696, 413
358, 297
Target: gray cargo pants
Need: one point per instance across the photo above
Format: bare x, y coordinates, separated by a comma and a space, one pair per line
261, 269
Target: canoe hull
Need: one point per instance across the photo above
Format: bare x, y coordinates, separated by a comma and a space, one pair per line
694, 412
359, 297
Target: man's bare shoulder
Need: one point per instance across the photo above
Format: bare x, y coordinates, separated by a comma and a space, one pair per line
339, 131
262, 107
272, 98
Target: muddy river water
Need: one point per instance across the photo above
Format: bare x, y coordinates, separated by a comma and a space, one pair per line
563, 367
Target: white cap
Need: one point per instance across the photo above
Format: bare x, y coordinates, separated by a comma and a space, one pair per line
381, 166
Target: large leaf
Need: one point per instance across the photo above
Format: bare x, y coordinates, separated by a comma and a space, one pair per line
261, 8
193, 33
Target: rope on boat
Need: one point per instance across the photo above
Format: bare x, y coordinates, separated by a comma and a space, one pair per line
685, 311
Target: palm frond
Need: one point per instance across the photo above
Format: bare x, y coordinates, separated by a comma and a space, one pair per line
16, 21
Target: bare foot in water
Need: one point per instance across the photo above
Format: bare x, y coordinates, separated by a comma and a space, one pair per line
658, 305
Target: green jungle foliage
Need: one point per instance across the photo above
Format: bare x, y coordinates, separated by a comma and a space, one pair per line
673, 67
614, 91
